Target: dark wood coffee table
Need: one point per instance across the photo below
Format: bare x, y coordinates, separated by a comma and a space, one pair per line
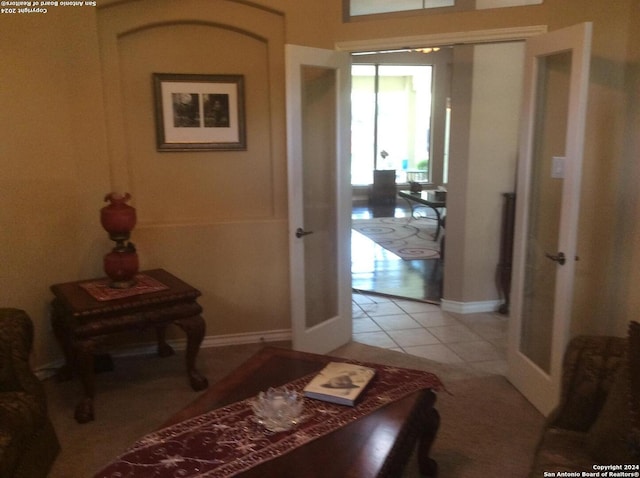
377, 445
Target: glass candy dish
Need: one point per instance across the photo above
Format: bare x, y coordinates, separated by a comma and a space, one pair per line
277, 409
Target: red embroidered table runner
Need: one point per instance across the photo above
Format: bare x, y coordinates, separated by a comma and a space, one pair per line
101, 291
228, 441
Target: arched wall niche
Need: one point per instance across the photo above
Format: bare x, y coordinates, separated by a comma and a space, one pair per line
223, 26
142, 37
216, 219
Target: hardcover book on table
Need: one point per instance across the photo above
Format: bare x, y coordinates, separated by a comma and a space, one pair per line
340, 383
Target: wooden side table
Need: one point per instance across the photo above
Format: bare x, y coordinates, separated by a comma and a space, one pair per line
85, 313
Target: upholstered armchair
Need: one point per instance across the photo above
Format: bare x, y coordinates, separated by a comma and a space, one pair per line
28, 443
597, 421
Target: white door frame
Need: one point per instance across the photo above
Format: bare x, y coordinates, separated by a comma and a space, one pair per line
540, 387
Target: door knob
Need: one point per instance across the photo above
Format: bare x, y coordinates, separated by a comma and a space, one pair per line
301, 232
559, 258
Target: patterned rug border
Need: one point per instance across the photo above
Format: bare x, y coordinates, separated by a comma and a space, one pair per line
409, 239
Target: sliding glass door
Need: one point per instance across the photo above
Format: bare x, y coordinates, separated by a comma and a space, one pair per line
391, 121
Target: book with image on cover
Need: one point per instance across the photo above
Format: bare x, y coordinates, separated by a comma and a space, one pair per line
340, 383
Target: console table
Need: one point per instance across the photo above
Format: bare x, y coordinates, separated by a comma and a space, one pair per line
85, 313
425, 199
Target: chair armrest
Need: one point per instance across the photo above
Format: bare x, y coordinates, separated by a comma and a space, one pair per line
16, 341
589, 368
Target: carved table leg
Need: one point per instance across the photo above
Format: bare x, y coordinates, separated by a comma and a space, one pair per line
85, 365
164, 349
431, 423
65, 372
194, 328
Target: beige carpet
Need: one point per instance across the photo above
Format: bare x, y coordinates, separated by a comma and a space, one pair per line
487, 429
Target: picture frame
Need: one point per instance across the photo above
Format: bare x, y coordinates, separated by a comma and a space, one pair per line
198, 112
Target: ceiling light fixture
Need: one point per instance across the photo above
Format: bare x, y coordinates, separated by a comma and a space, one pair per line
427, 50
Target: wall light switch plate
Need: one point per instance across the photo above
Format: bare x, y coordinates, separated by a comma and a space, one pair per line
557, 167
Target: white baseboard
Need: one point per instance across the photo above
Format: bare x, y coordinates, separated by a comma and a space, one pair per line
470, 307
248, 338
150, 348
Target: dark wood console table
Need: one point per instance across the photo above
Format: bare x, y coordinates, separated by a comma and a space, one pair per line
81, 321
425, 199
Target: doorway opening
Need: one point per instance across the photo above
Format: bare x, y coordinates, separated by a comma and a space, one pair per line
473, 137
400, 123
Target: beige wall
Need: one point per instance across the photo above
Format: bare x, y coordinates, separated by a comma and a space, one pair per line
625, 283
486, 97
609, 207
54, 168
493, 152
72, 84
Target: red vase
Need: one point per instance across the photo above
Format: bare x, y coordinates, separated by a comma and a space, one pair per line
121, 266
118, 218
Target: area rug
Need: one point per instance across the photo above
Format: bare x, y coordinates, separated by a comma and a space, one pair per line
409, 239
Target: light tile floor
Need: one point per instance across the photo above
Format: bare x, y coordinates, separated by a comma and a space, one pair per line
424, 330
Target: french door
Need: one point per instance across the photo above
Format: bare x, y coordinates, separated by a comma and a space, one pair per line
548, 197
318, 148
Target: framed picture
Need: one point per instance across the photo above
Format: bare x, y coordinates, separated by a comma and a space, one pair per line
199, 112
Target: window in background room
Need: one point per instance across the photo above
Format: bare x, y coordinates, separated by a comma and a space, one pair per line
391, 121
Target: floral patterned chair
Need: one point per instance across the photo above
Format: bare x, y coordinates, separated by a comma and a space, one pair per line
28, 443
598, 419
